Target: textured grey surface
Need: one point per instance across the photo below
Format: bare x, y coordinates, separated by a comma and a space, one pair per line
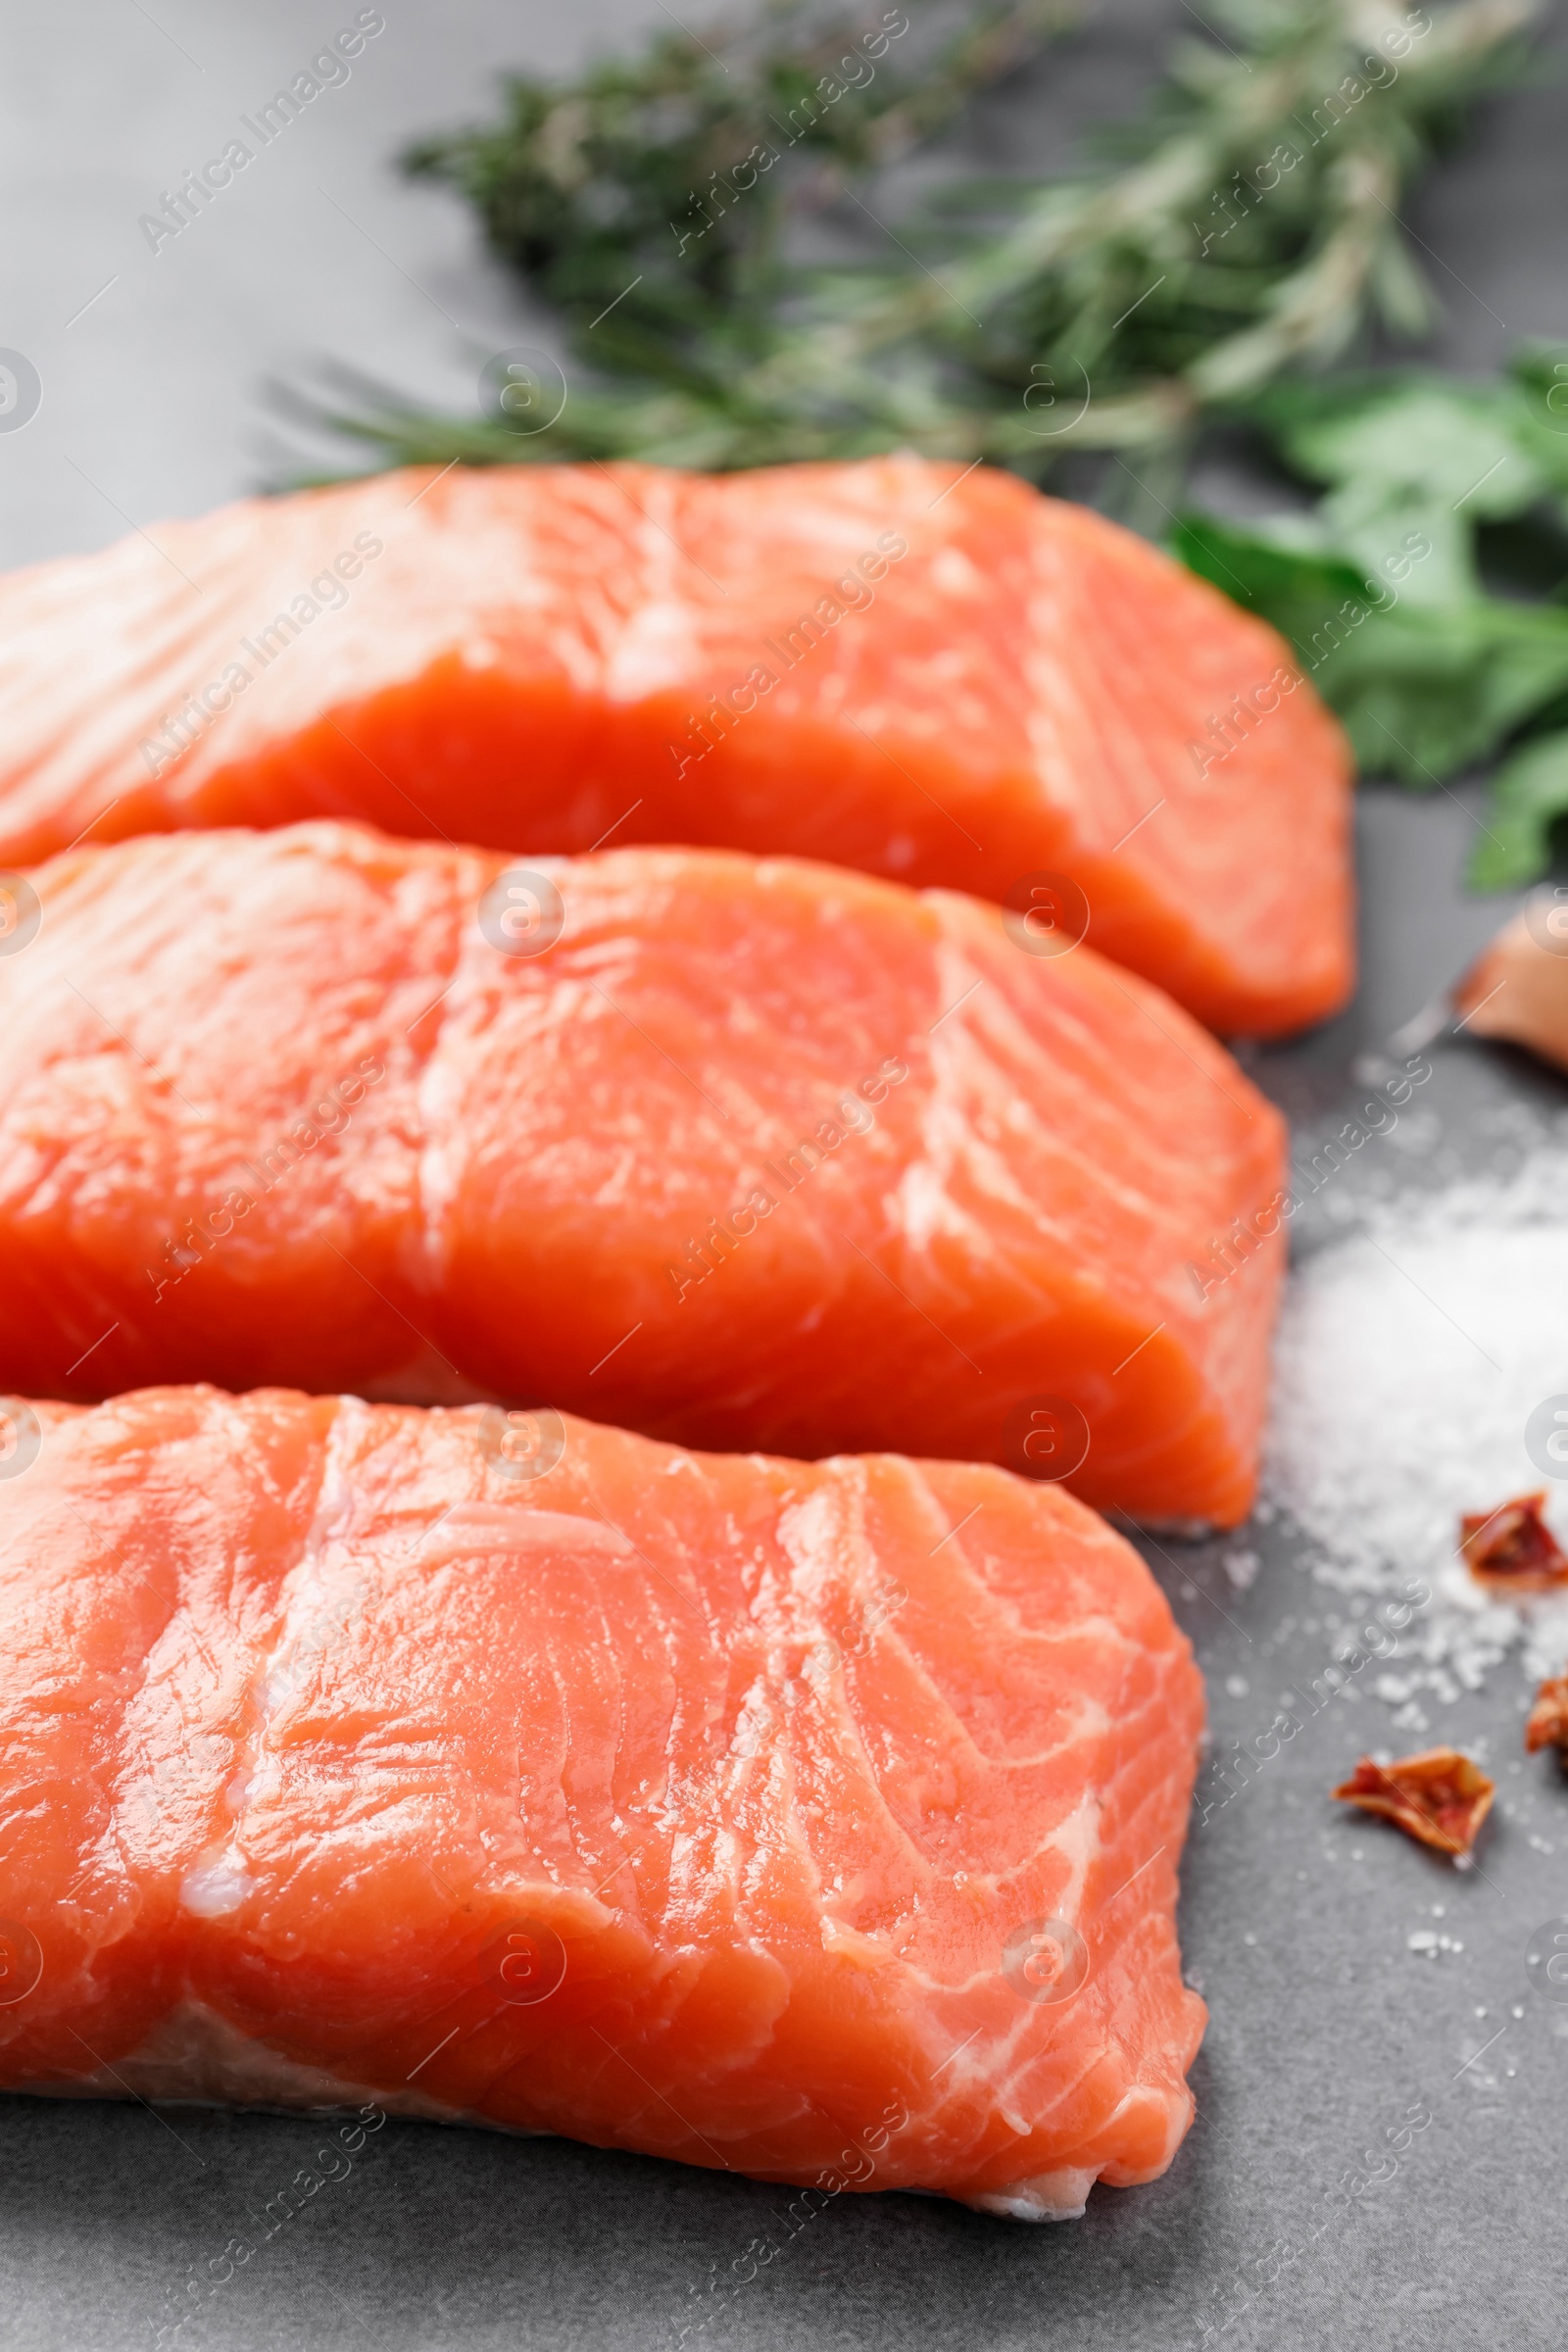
1326, 2029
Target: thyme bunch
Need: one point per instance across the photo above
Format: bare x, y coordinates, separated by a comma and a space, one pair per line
1244, 225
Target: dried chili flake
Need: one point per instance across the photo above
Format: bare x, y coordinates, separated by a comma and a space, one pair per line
1437, 1796
1512, 1550
1546, 1725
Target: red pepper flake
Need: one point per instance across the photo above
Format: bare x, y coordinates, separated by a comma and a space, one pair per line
1437, 1796
1512, 1550
1546, 1725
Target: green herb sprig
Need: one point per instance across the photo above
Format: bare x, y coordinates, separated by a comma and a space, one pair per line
1246, 224
1412, 591
662, 184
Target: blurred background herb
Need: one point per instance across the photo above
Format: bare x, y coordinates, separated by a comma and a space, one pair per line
648, 184
1244, 223
1427, 592
1203, 275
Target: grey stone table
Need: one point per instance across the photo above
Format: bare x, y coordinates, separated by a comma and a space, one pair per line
1325, 2033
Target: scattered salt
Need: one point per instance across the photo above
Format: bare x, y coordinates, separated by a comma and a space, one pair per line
1411, 1355
1240, 1567
1416, 1133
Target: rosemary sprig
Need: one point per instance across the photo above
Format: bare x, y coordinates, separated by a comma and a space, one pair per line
1251, 228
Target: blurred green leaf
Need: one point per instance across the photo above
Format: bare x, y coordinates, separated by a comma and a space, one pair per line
1424, 690
1529, 793
1541, 373
1379, 591
1409, 454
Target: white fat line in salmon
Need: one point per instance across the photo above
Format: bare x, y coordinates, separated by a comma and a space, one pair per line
330, 1115
315, 1637
174, 1780
886, 1602
754, 1736
328, 592
1379, 1640
814, 106
171, 1778
328, 69
706, 1251
1228, 1252
333, 2162
848, 593
715, 2295
1250, 710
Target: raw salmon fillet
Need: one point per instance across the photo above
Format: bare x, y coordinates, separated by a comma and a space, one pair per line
808, 1821
749, 1153
952, 681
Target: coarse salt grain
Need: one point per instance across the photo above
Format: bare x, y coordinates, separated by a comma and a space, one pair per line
1410, 1357
1240, 1567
